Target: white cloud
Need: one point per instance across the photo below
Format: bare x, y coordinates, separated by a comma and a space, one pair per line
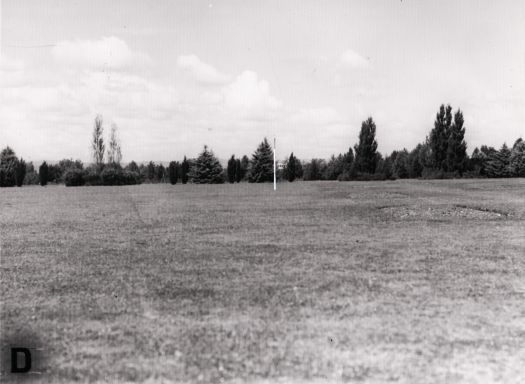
353, 59
202, 72
250, 97
316, 116
108, 52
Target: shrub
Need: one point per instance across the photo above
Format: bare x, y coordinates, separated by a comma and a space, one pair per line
118, 176
74, 177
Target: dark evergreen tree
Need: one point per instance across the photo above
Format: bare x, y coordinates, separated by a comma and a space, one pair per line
185, 169
173, 171
238, 170
20, 172
43, 173
261, 167
230, 170
206, 169
291, 168
438, 140
8, 167
366, 150
456, 159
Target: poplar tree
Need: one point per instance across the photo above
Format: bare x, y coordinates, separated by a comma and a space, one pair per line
366, 150
43, 173
185, 169
238, 170
97, 144
230, 170
456, 158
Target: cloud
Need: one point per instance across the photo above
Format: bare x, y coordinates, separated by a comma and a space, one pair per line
352, 59
316, 116
202, 72
250, 97
108, 52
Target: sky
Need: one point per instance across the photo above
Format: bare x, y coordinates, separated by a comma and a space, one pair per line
173, 76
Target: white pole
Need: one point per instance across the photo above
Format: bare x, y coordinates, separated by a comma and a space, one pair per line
274, 168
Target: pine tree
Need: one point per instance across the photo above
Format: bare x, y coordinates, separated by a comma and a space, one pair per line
173, 171
517, 158
291, 168
456, 147
230, 170
8, 167
238, 170
43, 173
185, 169
261, 167
97, 144
366, 150
498, 164
206, 169
20, 172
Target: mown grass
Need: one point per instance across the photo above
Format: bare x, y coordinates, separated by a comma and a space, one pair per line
405, 281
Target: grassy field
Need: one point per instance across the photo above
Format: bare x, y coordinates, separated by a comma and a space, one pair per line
404, 281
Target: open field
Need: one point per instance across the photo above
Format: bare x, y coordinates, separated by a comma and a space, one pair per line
405, 281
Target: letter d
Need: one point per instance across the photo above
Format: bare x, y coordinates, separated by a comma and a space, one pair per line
14, 360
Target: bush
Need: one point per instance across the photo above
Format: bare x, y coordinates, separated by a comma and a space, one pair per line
74, 177
117, 176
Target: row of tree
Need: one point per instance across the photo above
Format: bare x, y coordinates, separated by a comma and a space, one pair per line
442, 155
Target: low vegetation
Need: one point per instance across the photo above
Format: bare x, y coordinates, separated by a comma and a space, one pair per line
392, 281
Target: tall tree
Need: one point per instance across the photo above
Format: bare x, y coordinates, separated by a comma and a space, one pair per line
173, 171
456, 147
291, 168
8, 166
261, 166
366, 150
238, 170
230, 170
185, 169
151, 172
160, 173
97, 143
20, 172
114, 149
43, 173
517, 158
245, 167
206, 169
438, 140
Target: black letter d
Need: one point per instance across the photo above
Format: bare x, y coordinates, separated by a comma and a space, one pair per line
14, 361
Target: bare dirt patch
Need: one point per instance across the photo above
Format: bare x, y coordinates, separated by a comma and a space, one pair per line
436, 213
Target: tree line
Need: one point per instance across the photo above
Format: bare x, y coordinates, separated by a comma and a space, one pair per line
443, 154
